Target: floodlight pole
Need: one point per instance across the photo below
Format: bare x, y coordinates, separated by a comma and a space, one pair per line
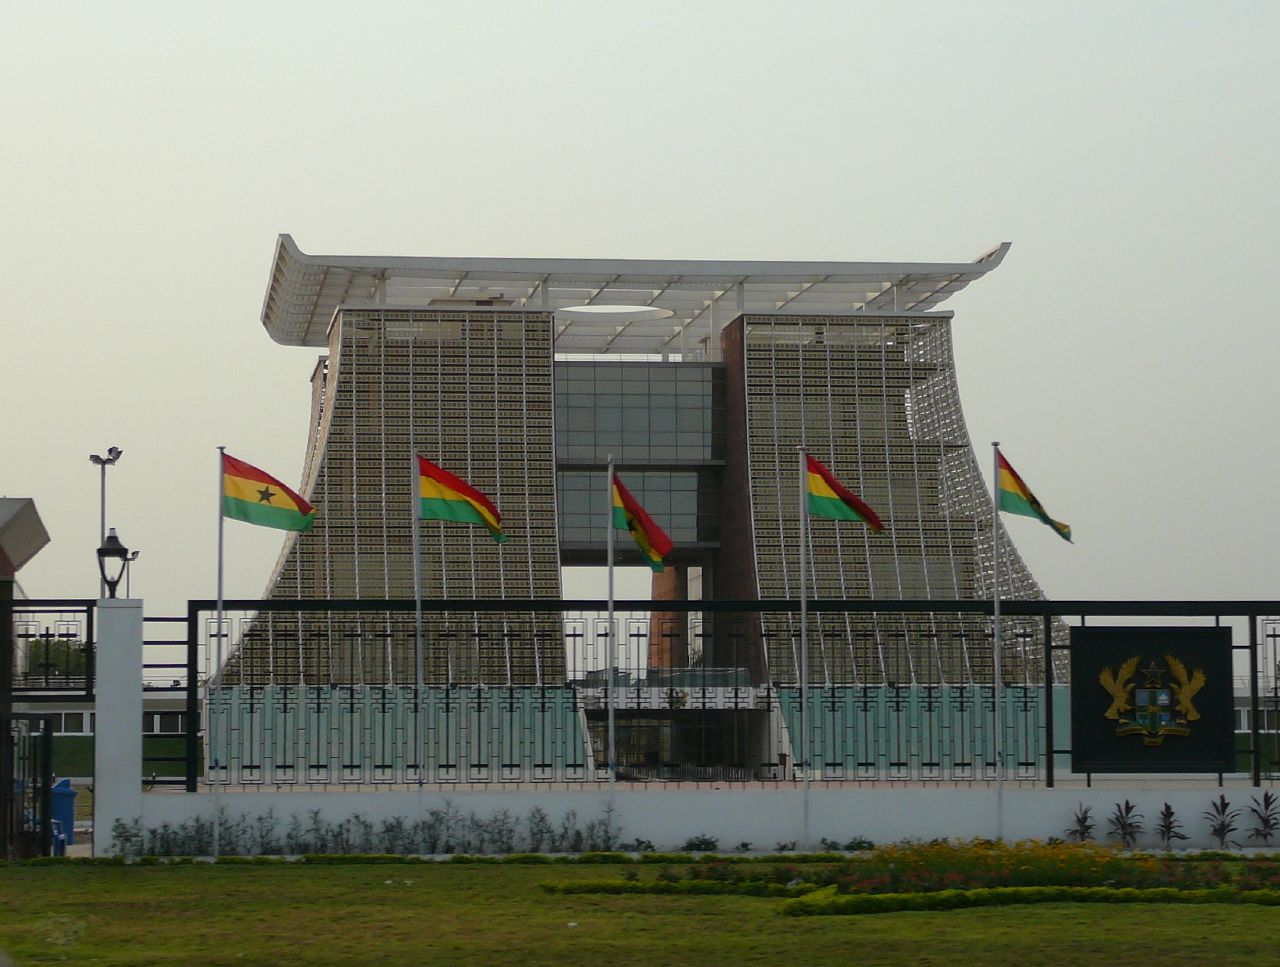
101, 462
102, 503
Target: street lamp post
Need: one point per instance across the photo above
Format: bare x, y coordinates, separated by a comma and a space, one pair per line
113, 558
113, 454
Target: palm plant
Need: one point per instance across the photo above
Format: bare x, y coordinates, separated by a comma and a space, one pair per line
1126, 823
1081, 828
1222, 821
1169, 827
1266, 817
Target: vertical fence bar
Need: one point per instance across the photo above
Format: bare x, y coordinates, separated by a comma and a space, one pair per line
7, 658
1048, 701
8, 807
1255, 739
193, 697
7, 650
45, 785
90, 652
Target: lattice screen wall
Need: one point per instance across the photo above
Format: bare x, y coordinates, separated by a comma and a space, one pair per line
875, 399
472, 391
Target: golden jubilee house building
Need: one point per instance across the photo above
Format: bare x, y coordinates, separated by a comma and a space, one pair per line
700, 378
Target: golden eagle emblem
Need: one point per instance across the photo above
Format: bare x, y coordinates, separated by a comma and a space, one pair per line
1185, 687
1120, 687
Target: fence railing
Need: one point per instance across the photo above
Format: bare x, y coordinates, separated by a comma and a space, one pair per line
26, 813
53, 649
170, 688
523, 691
519, 691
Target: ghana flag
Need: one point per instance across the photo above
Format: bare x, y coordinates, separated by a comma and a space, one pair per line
628, 515
1016, 498
442, 496
831, 499
256, 497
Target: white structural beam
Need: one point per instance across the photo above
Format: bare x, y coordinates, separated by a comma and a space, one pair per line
305, 290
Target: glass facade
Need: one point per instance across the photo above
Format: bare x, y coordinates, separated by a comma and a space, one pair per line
670, 497
664, 419
639, 412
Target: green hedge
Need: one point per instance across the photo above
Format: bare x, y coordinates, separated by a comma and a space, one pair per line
827, 902
166, 746
73, 755
682, 887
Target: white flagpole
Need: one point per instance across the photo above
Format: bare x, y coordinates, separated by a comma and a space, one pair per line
214, 757
996, 673
414, 496
417, 614
612, 751
805, 751
415, 528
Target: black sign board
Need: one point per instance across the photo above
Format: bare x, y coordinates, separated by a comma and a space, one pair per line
1151, 700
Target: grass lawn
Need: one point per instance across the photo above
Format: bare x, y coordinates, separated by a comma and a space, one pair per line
84, 800
442, 913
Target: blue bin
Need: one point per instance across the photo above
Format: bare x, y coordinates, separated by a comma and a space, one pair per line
64, 807
59, 840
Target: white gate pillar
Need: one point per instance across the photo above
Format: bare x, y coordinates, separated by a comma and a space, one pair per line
117, 746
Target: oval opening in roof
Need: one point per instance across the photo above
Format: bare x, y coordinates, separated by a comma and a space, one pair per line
618, 314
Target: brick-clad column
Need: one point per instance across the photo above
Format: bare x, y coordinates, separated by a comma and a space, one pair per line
668, 630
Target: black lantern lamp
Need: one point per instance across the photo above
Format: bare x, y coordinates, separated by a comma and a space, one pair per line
113, 558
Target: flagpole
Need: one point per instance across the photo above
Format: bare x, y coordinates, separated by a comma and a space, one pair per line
805, 745
609, 541
996, 673
417, 572
415, 529
417, 608
217, 665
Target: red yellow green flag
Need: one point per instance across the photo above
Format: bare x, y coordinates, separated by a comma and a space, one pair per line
256, 497
1016, 498
442, 496
628, 515
829, 498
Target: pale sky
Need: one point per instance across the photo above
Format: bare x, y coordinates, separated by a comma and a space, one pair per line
1125, 353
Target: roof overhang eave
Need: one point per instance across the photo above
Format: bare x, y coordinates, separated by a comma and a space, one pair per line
304, 290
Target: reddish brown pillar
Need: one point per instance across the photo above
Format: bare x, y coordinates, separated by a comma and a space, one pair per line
737, 640
668, 634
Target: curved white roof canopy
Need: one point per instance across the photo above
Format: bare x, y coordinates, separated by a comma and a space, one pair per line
306, 290
22, 534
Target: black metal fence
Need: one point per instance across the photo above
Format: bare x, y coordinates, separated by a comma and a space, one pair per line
53, 649
55, 653
897, 689
352, 691
26, 785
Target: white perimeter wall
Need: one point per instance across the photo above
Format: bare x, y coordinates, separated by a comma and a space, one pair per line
666, 816
762, 817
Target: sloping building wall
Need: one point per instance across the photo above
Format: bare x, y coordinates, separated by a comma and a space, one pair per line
873, 397
472, 391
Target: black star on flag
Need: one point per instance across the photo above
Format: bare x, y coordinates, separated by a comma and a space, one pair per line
254, 496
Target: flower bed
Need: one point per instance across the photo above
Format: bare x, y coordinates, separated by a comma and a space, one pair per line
940, 875
829, 903
931, 867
